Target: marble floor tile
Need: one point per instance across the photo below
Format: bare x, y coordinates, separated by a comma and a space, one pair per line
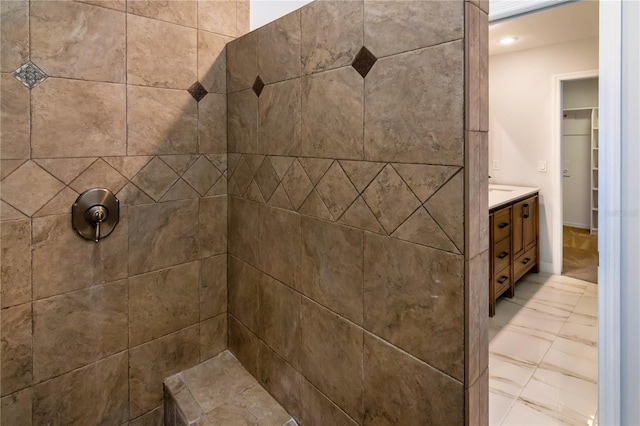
507, 376
543, 353
573, 398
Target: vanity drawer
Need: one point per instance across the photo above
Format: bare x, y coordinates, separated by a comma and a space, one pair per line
501, 224
501, 255
502, 281
523, 263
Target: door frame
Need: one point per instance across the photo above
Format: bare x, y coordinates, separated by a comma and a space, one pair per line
556, 185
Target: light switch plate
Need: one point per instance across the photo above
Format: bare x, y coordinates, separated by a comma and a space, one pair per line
496, 165
542, 166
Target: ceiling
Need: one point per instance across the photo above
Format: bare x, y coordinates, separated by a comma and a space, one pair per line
561, 24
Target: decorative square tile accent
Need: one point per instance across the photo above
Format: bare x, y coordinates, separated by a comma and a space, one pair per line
30, 75
364, 61
197, 91
29, 188
297, 184
390, 199
99, 174
258, 85
336, 190
155, 178
267, 179
202, 175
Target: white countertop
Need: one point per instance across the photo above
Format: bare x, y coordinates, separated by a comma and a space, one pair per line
504, 194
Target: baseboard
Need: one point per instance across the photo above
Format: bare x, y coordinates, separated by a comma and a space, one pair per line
576, 225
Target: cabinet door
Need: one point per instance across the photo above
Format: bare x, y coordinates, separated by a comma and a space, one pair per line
529, 220
517, 234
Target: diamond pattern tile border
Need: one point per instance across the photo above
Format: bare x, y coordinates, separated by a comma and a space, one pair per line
384, 198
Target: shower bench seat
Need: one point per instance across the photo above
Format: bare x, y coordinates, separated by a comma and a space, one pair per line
220, 392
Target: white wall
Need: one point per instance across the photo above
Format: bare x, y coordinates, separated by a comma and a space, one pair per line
521, 119
576, 168
265, 11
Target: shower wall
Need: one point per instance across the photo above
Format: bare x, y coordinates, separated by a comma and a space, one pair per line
358, 212
132, 98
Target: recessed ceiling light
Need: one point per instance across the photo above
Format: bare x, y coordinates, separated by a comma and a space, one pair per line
508, 40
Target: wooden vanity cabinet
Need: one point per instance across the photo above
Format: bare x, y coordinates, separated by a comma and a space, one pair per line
513, 246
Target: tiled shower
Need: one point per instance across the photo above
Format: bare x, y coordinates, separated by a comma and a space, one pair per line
307, 195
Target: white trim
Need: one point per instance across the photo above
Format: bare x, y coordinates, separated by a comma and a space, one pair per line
609, 200
556, 183
503, 9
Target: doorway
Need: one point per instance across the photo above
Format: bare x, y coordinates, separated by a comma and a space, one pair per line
580, 179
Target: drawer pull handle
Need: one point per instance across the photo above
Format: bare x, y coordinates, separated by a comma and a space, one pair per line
503, 225
527, 260
526, 211
502, 279
503, 255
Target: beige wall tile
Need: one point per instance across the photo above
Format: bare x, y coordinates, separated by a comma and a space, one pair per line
156, 178
425, 126
163, 302
477, 320
19, 190
242, 121
242, 17
110, 4
100, 175
60, 257
152, 418
73, 118
213, 225
217, 16
14, 115
213, 286
162, 235
243, 285
243, 230
336, 190
92, 323
331, 357
212, 124
279, 119
279, 319
390, 199
392, 27
280, 244
332, 113
14, 34
318, 410
150, 363
212, 61
446, 206
16, 262
213, 336
93, 394
183, 12
326, 45
161, 121
16, 364
78, 40
399, 302
472, 70
279, 49
242, 62
59, 204
8, 212
297, 184
66, 169
404, 390
161, 54
331, 267
244, 345
281, 380
17, 408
